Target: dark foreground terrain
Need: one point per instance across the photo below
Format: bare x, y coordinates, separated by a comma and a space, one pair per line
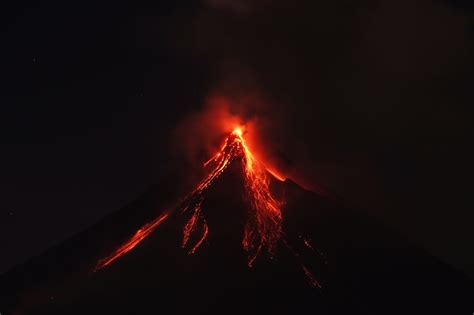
363, 267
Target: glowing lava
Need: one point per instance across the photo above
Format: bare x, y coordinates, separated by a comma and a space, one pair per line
263, 229
139, 236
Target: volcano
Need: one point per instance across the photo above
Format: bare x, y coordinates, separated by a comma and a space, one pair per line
243, 241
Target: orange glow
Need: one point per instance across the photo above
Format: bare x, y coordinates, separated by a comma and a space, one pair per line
203, 237
195, 220
238, 132
276, 175
263, 229
139, 236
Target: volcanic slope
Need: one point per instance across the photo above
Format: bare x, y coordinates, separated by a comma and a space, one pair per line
361, 267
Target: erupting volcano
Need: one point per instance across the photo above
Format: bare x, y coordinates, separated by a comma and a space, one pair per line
242, 241
263, 229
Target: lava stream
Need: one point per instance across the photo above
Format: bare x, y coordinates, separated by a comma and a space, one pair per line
139, 236
263, 228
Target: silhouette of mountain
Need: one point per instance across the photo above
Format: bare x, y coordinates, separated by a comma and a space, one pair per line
363, 267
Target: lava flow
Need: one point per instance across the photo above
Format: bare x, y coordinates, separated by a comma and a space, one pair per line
263, 228
139, 236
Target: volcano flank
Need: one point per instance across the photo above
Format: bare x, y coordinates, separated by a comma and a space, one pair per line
242, 242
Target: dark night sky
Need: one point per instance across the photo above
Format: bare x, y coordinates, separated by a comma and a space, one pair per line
371, 99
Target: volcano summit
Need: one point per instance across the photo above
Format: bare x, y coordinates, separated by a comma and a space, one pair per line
263, 229
243, 241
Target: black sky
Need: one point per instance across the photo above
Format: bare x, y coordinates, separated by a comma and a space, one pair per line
371, 99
